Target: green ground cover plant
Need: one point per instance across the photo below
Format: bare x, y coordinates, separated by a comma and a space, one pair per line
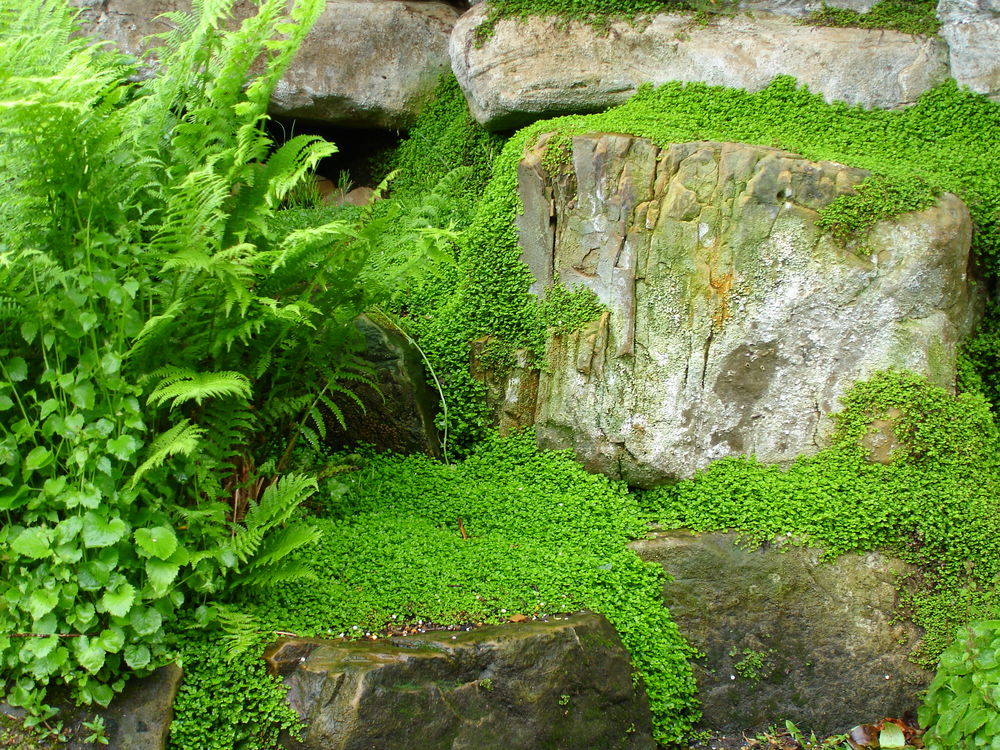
907, 16
934, 504
544, 537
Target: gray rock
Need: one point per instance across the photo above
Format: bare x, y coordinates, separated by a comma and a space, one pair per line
972, 30
804, 7
734, 323
138, 718
563, 684
787, 636
366, 63
540, 67
399, 416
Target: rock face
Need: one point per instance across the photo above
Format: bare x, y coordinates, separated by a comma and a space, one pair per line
366, 63
734, 324
542, 67
786, 635
399, 416
972, 30
564, 684
137, 719
804, 7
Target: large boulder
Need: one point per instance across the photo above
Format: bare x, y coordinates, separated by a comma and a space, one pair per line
805, 7
787, 636
366, 63
543, 66
398, 413
972, 30
565, 684
733, 322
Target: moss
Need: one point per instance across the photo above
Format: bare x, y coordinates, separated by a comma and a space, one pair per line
935, 504
598, 13
542, 536
907, 16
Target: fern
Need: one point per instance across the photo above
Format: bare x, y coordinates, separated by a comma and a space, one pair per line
183, 385
181, 439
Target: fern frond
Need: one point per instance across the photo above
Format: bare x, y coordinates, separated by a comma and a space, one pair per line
274, 508
241, 632
183, 385
181, 439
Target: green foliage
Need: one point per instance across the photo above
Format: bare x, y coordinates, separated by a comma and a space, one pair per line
227, 704
962, 705
543, 537
564, 310
874, 200
935, 504
158, 320
597, 13
907, 16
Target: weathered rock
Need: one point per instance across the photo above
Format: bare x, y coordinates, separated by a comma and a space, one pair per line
785, 635
399, 416
540, 67
511, 386
972, 30
804, 7
734, 323
366, 63
564, 684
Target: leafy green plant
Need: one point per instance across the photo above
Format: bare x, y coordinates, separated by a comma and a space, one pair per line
962, 706
159, 316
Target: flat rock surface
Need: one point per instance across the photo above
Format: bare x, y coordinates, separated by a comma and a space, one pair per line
540, 67
564, 684
366, 63
786, 636
733, 324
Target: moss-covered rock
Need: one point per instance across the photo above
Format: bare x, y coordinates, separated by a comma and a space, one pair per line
734, 321
786, 635
565, 684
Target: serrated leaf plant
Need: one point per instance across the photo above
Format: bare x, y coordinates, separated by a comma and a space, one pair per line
155, 318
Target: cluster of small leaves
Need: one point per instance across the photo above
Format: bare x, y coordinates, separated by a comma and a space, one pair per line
935, 503
907, 16
227, 703
565, 309
878, 198
962, 705
155, 321
541, 536
597, 13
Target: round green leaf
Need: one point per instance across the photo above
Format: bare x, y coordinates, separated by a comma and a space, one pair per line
117, 603
137, 657
33, 542
41, 602
158, 541
101, 532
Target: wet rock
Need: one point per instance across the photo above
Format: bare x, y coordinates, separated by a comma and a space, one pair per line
563, 684
734, 323
972, 30
366, 63
399, 415
542, 66
786, 635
